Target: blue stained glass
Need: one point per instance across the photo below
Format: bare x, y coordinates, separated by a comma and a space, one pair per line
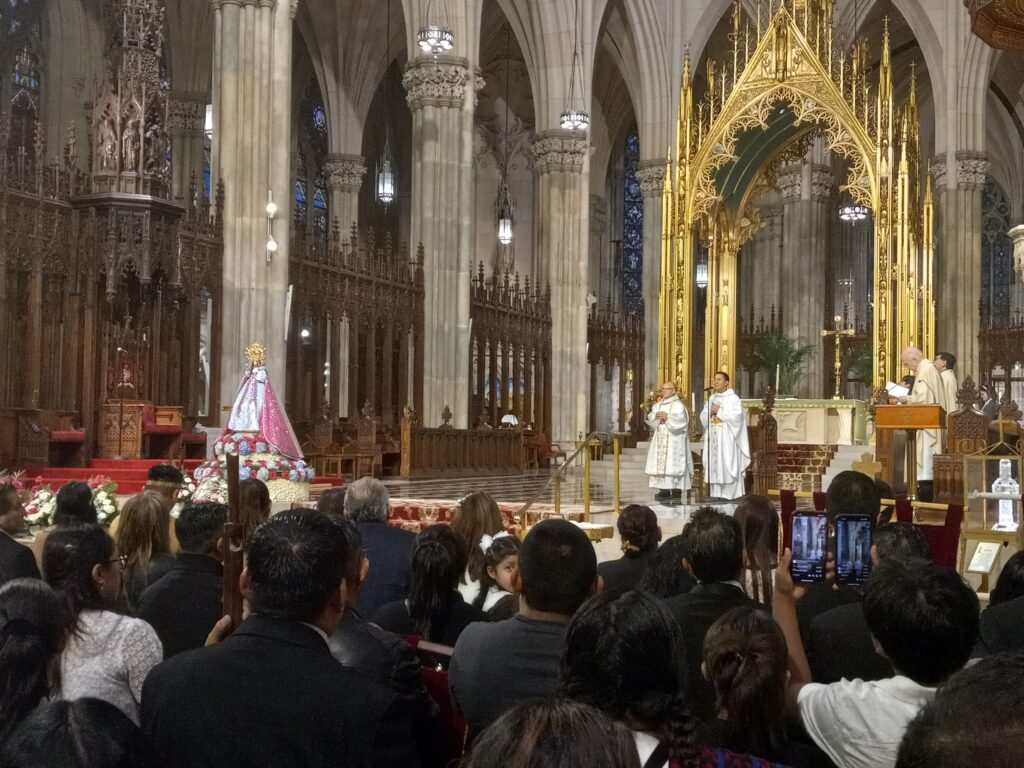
995, 253
632, 231
319, 119
300, 201
320, 200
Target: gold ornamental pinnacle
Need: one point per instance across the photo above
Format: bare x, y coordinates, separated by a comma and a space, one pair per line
256, 353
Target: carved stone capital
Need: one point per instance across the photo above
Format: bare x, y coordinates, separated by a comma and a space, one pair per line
822, 183
971, 170
791, 182
939, 171
559, 150
186, 112
651, 175
440, 83
345, 172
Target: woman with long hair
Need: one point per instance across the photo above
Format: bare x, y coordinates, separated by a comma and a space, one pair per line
107, 655
746, 661
623, 655
639, 535
664, 575
473, 516
434, 610
759, 523
144, 542
253, 505
73, 505
33, 625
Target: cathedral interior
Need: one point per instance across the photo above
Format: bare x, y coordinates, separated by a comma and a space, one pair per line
486, 218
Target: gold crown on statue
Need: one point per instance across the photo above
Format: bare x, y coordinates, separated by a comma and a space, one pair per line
256, 353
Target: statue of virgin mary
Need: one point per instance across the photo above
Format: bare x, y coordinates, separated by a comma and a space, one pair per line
256, 409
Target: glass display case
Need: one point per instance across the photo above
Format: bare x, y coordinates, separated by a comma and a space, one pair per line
991, 530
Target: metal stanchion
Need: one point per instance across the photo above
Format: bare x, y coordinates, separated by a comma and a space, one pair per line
558, 494
586, 483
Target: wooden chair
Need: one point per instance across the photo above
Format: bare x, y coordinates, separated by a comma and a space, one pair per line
435, 680
161, 431
546, 450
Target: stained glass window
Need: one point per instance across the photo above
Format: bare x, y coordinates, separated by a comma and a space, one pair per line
996, 254
319, 119
632, 232
320, 212
300, 188
24, 110
311, 198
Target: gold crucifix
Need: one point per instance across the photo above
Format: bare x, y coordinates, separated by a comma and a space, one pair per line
838, 333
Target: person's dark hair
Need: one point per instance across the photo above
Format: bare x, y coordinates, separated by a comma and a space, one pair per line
745, 659
332, 502
554, 733
924, 617
908, 381
501, 547
949, 359
713, 545
73, 505
638, 530
438, 561
759, 526
722, 374
253, 505
165, 473
1010, 583
7, 492
33, 624
557, 567
69, 555
296, 562
976, 718
199, 525
353, 544
624, 655
664, 574
473, 516
853, 493
900, 541
85, 733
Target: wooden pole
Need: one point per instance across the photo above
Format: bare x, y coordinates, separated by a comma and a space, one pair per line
233, 547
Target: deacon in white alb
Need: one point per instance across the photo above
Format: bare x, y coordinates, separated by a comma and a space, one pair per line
668, 459
726, 446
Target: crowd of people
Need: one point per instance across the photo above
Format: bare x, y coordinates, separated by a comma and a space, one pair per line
366, 644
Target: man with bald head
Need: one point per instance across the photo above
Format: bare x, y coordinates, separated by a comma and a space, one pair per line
928, 389
668, 458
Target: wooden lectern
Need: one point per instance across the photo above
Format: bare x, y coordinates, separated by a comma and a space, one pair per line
911, 419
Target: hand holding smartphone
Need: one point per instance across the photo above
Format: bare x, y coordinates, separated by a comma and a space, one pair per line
810, 538
850, 548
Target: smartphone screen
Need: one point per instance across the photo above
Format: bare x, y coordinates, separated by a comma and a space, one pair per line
853, 549
810, 534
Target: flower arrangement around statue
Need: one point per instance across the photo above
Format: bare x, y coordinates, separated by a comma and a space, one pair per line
42, 502
259, 433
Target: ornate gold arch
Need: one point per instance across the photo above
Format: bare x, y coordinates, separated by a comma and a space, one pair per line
789, 58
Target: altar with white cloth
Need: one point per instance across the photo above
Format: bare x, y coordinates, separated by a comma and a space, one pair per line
817, 422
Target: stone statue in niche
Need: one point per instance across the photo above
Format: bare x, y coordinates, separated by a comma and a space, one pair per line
130, 145
106, 145
155, 151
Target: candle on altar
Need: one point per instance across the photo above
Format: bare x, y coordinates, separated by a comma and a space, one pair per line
777, 369
693, 402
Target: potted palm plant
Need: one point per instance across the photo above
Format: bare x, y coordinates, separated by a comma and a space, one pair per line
773, 351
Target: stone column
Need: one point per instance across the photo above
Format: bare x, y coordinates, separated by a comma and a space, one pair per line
958, 260
651, 175
442, 96
186, 121
344, 178
560, 162
598, 268
252, 78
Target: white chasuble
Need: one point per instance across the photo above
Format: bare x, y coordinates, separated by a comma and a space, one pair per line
726, 446
668, 459
928, 389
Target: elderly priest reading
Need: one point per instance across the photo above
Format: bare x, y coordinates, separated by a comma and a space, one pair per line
668, 458
726, 446
928, 389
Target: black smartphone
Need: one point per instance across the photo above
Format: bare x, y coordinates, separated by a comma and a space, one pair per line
853, 550
810, 535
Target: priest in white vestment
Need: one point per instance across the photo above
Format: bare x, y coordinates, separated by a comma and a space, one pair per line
928, 389
944, 364
668, 458
726, 446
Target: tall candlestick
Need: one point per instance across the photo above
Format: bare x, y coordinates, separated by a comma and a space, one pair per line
693, 402
777, 368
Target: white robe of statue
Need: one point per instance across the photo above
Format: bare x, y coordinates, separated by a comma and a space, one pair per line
245, 413
928, 389
668, 459
726, 446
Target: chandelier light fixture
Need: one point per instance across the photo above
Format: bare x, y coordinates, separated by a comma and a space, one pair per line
504, 205
576, 118
385, 163
702, 275
853, 213
435, 37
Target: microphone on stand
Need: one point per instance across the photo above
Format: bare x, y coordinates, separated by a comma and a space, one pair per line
709, 389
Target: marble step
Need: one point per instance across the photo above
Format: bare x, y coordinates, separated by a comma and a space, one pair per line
846, 456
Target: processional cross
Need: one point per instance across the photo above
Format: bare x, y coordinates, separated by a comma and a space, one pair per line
838, 332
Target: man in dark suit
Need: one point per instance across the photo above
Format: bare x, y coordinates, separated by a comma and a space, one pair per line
271, 694
184, 605
839, 643
16, 560
713, 553
388, 549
